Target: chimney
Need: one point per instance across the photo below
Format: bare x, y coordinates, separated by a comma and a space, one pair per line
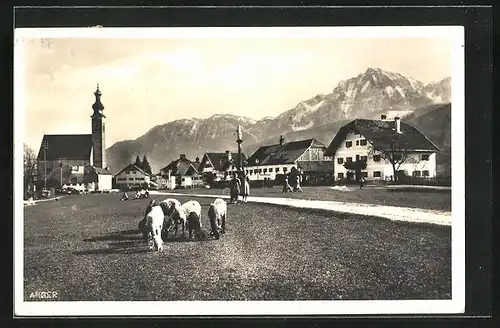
383, 117
197, 161
228, 155
183, 156
281, 140
397, 121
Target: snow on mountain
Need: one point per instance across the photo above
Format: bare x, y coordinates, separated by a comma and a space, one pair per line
301, 128
439, 92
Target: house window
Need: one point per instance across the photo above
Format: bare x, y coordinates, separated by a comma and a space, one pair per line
377, 174
376, 158
425, 173
127, 172
397, 157
265, 170
364, 158
348, 159
348, 144
341, 175
260, 170
363, 142
276, 169
357, 142
130, 179
340, 160
285, 169
250, 171
416, 173
365, 174
134, 172
425, 157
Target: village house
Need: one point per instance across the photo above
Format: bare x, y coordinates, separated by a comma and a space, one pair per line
76, 159
378, 142
269, 161
220, 165
131, 177
180, 173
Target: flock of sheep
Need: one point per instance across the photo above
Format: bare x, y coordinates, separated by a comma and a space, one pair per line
161, 217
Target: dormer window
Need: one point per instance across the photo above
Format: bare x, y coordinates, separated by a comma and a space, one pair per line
425, 157
363, 142
348, 144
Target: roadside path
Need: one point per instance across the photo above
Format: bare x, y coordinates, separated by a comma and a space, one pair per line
389, 212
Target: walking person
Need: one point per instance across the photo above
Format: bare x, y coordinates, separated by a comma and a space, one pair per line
234, 188
361, 183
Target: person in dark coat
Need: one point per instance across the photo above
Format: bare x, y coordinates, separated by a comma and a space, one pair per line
234, 188
361, 182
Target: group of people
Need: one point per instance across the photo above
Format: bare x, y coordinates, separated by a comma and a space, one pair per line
141, 193
295, 186
237, 188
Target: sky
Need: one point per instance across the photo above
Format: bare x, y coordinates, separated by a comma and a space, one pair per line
147, 82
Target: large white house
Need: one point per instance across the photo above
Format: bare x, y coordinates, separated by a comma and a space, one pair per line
380, 142
268, 161
132, 176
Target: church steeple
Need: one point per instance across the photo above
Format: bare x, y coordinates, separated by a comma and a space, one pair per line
98, 107
98, 132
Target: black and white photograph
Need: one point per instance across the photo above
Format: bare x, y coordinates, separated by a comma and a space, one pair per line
239, 171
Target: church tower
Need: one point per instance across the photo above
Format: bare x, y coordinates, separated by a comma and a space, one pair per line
98, 132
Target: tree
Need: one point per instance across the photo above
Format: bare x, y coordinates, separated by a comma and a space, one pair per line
138, 162
145, 165
356, 166
29, 170
393, 149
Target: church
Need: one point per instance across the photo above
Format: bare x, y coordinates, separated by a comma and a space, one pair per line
76, 159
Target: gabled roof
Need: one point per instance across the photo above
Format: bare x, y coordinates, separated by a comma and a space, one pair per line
181, 166
316, 166
382, 134
101, 171
132, 167
277, 154
66, 146
218, 160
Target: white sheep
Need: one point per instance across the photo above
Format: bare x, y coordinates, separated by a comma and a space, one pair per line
154, 226
190, 212
217, 213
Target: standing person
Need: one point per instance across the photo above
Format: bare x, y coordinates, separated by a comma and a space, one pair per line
234, 188
246, 188
298, 188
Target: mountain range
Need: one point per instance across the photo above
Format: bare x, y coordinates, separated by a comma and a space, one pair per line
368, 95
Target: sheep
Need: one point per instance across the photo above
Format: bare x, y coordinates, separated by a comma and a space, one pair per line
168, 206
217, 213
154, 226
190, 212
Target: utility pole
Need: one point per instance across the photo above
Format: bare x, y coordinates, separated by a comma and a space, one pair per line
45, 145
60, 171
